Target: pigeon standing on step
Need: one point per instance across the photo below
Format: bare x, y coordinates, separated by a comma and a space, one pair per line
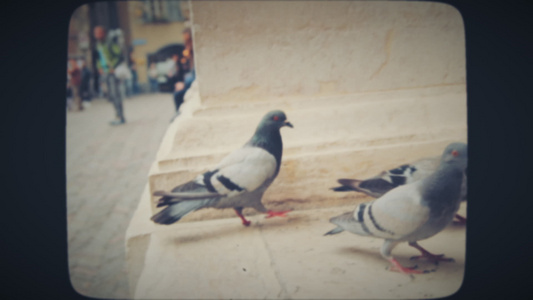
411, 212
238, 181
405, 174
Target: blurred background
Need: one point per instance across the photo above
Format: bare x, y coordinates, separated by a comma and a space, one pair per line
107, 166
148, 32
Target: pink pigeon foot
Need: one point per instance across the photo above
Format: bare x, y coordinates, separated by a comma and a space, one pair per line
396, 267
271, 213
244, 221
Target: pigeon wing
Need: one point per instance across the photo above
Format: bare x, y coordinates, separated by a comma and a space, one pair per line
398, 213
244, 170
423, 168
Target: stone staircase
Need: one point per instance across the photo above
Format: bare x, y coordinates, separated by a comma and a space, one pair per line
353, 136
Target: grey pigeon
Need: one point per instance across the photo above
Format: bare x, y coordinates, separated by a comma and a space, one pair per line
411, 212
238, 181
378, 185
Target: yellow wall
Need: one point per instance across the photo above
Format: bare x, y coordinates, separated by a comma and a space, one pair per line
156, 36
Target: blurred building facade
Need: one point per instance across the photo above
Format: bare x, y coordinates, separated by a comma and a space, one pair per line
147, 26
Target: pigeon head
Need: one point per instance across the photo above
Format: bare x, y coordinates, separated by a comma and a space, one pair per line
267, 135
270, 125
456, 154
275, 119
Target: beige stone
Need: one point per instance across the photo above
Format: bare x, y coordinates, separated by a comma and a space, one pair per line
289, 258
259, 50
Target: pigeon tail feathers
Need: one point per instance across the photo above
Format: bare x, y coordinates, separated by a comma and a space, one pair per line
175, 212
347, 222
342, 189
336, 230
374, 187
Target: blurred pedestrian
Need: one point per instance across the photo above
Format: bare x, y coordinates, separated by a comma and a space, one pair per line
110, 56
75, 82
133, 83
85, 87
122, 71
186, 73
153, 74
69, 93
187, 60
174, 71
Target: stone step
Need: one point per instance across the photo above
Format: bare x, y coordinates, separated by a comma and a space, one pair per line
391, 115
305, 180
226, 108
341, 137
199, 161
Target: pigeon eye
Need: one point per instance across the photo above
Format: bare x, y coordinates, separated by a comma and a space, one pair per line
275, 118
455, 153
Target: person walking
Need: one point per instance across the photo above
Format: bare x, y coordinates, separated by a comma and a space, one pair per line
109, 55
75, 83
186, 73
85, 87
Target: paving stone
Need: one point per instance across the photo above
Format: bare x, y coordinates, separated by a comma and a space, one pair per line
107, 169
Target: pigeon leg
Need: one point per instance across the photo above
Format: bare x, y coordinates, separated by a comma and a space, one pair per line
272, 213
460, 220
426, 254
245, 222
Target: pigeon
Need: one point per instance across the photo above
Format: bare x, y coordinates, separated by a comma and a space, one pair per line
413, 211
238, 181
387, 180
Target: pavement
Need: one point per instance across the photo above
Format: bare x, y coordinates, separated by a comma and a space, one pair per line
106, 171
285, 258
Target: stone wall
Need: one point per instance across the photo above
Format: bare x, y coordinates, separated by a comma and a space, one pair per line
257, 50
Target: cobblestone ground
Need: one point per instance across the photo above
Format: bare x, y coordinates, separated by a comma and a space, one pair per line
107, 169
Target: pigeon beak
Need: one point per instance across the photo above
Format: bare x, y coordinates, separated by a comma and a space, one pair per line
288, 124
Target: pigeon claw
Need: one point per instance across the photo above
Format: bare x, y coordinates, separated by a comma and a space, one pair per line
396, 267
428, 255
245, 222
435, 258
459, 220
271, 213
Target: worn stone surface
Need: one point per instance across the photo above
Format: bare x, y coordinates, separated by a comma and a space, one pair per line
259, 50
106, 170
289, 258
